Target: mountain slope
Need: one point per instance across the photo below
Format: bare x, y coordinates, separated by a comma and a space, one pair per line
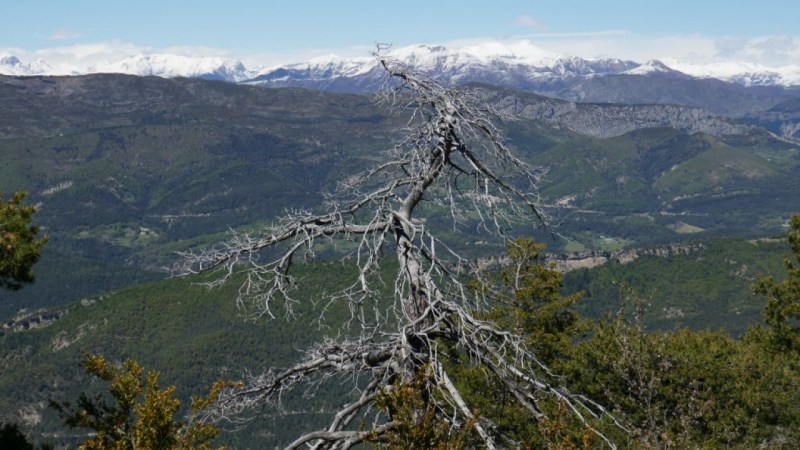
716, 96
170, 66
156, 64
526, 67
127, 170
194, 335
190, 334
518, 64
783, 118
734, 89
521, 66
124, 166
609, 120
11, 65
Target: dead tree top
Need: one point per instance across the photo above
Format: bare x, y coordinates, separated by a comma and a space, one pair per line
453, 157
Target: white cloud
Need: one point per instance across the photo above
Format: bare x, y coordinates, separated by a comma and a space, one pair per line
7, 51
774, 51
528, 21
63, 34
273, 59
68, 59
79, 57
770, 51
187, 50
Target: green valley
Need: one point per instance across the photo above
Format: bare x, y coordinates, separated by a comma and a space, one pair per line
129, 172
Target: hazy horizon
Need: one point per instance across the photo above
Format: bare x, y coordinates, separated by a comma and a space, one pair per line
265, 34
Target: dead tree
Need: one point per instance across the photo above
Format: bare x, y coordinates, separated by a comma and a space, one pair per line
453, 158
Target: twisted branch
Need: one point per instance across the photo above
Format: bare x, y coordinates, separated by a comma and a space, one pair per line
452, 158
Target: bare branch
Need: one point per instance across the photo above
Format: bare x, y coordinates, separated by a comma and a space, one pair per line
452, 160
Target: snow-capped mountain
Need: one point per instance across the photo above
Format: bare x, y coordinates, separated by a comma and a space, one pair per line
170, 66
161, 65
747, 74
519, 64
655, 67
11, 65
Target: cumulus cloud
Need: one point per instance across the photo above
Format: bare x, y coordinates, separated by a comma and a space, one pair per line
68, 59
64, 34
769, 51
528, 21
9, 51
193, 51
78, 58
774, 51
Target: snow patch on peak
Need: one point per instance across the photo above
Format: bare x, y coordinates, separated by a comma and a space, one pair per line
513, 62
170, 66
748, 74
655, 67
330, 58
327, 66
524, 52
12, 65
9, 60
517, 52
651, 66
498, 62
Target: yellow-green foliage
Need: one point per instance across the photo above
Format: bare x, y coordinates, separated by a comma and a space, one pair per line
142, 415
688, 389
19, 248
527, 300
668, 389
698, 389
560, 432
419, 424
782, 312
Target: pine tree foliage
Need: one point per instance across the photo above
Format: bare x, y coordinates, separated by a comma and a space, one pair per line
139, 414
782, 313
19, 247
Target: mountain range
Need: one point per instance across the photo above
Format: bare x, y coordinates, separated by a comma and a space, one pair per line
517, 64
127, 169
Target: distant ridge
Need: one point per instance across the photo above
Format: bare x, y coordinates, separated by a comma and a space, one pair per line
511, 63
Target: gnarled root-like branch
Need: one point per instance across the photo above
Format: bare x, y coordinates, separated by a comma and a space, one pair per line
452, 160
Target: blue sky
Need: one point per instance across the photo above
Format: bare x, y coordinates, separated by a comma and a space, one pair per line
269, 32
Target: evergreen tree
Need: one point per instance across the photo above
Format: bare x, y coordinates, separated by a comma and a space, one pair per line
11, 438
142, 414
19, 248
782, 312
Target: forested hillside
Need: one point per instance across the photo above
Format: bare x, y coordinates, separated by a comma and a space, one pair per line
350, 264
194, 335
125, 170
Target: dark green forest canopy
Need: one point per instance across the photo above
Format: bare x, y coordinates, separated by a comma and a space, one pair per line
210, 155
235, 165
